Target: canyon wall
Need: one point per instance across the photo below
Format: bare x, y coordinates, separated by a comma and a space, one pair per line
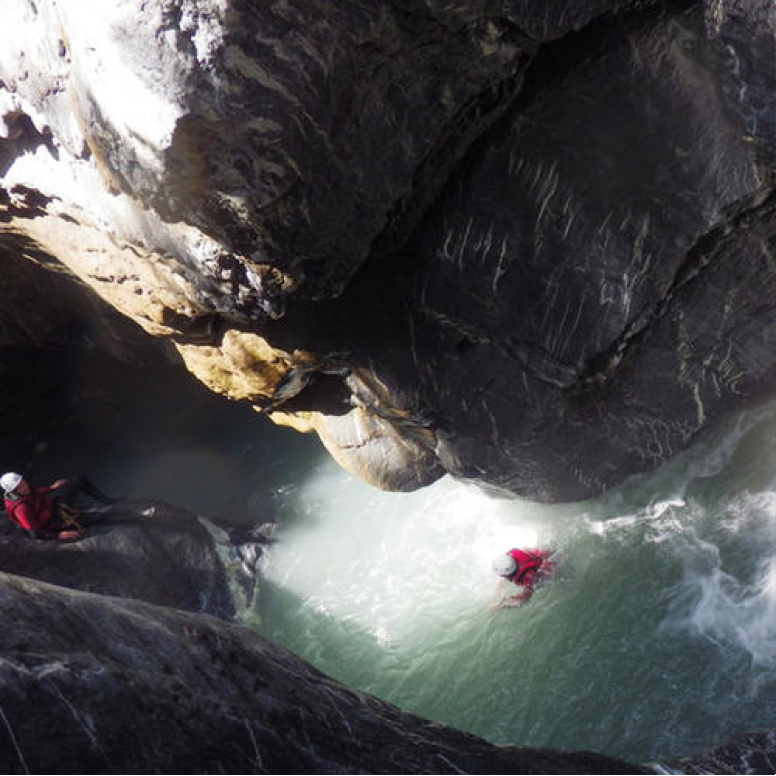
529, 244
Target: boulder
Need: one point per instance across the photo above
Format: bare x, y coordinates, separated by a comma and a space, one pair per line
93, 684
530, 244
148, 550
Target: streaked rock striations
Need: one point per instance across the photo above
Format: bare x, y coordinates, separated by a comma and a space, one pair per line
530, 244
136, 688
746, 753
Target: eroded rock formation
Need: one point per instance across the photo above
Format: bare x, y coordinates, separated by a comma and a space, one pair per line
135, 688
163, 558
530, 244
148, 550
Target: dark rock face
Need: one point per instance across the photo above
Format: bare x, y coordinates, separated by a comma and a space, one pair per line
595, 285
529, 244
52, 328
746, 753
133, 688
621, 220
141, 549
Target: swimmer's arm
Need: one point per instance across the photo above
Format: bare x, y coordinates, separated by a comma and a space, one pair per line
497, 597
53, 486
517, 600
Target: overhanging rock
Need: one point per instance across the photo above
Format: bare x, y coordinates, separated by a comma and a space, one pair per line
529, 244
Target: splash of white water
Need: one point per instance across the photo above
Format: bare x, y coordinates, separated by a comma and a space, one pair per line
667, 590
385, 574
730, 598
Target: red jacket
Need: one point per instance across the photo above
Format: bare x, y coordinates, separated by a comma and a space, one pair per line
35, 512
528, 564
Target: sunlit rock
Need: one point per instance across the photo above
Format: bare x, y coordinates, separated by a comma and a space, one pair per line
529, 244
245, 366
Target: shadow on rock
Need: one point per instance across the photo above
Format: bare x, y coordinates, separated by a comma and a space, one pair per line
151, 551
165, 691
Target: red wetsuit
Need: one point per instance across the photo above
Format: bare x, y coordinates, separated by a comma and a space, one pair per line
41, 516
35, 512
529, 563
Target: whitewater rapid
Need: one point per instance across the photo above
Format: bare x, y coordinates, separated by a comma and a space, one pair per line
656, 636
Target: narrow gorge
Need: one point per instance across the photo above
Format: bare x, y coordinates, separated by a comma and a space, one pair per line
510, 264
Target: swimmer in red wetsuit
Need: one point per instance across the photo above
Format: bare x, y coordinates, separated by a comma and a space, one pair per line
524, 568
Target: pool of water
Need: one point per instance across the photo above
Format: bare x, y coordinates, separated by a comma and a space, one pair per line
655, 637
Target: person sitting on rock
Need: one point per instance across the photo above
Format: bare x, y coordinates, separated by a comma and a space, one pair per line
49, 512
524, 568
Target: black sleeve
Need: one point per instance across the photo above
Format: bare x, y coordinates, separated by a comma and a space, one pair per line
39, 535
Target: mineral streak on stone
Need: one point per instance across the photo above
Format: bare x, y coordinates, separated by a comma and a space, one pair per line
745, 753
621, 222
164, 691
527, 243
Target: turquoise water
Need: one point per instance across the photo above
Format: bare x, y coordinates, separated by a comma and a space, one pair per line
656, 637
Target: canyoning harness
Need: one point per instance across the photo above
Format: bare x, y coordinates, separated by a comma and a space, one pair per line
68, 517
40, 514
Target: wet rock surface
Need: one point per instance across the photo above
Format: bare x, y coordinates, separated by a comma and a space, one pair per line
135, 688
147, 550
746, 753
240, 548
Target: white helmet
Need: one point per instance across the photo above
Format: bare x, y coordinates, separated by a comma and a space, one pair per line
10, 481
504, 565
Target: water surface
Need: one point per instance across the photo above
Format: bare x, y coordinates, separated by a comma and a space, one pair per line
656, 637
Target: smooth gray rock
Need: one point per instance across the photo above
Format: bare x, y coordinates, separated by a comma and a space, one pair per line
259, 126
92, 684
147, 550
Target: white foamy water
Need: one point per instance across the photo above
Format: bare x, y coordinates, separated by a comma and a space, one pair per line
364, 555
656, 636
727, 593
